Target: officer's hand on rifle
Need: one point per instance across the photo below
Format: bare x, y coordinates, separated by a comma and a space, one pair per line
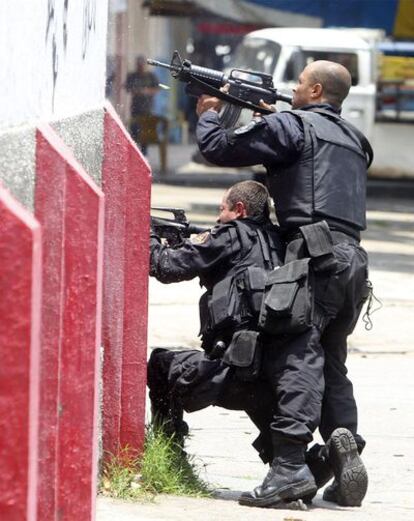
206, 102
266, 106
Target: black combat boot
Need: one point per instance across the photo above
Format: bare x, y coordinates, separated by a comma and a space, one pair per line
351, 480
288, 479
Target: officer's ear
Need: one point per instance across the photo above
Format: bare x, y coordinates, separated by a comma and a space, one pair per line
240, 209
317, 91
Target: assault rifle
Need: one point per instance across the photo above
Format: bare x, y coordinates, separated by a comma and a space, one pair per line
246, 88
174, 230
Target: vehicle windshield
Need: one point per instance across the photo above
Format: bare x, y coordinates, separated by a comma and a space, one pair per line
256, 54
302, 57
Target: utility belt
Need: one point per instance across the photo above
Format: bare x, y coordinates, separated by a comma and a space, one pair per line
337, 237
288, 306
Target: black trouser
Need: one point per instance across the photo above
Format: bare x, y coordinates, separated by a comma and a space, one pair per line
189, 379
339, 408
296, 368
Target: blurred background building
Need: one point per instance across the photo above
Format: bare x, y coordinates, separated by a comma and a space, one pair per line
209, 31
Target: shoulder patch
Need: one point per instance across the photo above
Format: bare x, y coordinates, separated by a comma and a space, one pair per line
245, 129
200, 238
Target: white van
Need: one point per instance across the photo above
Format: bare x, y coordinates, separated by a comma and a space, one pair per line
284, 52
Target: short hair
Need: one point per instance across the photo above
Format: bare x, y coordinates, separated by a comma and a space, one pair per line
253, 195
334, 78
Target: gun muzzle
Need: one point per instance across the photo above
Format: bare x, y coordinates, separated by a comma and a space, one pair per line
156, 63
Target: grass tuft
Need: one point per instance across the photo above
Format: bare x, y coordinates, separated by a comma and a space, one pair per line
162, 468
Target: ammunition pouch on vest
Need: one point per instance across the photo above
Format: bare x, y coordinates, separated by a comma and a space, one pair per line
234, 302
233, 305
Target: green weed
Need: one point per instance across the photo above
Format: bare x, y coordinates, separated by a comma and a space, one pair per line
162, 468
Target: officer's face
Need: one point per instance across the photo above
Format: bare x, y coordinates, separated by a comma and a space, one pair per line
303, 93
226, 215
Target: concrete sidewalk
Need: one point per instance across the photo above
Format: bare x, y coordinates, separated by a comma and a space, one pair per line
381, 365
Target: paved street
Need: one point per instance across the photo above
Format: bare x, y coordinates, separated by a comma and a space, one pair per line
381, 365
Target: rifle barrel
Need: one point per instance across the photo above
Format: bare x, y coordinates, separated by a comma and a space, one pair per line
156, 63
284, 97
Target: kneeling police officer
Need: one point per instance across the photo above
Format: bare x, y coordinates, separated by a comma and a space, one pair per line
231, 261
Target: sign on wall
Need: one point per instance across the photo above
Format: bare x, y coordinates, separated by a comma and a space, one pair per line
53, 58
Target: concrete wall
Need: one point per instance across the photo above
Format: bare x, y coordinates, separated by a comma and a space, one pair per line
53, 59
53, 56
53, 122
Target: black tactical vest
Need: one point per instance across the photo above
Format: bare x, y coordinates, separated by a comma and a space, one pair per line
327, 182
233, 300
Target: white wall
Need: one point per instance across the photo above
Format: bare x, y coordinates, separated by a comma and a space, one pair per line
52, 59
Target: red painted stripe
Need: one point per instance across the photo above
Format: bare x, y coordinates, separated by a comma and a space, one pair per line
20, 286
126, 181
50, 210
70, 207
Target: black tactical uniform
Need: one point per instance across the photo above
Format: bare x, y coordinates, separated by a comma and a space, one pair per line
316, 164
222, 259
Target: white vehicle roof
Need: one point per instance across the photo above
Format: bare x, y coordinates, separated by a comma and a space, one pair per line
310, 37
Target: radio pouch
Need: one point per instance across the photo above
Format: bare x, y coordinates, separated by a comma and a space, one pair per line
245, 354
287, 306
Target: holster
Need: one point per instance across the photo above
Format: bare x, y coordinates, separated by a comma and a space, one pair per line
318, 245
245, 354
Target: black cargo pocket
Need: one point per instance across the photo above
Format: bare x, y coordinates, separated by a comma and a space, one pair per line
245, 354
287, 306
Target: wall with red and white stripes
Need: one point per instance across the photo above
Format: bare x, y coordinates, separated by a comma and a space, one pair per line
74, 223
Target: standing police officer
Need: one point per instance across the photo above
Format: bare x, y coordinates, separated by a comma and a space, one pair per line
228, 260
316, 164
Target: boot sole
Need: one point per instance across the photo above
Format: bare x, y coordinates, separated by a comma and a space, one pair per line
289, 493
350, 472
